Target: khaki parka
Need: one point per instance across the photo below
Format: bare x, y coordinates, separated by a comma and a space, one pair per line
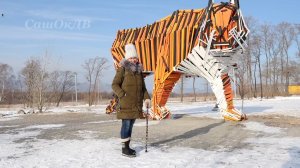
130, 88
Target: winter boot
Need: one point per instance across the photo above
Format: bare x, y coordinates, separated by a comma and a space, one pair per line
132, 150
126, 150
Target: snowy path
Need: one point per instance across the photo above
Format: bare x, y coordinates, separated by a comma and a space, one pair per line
264, 142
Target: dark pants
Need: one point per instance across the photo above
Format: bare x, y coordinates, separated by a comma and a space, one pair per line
126, 128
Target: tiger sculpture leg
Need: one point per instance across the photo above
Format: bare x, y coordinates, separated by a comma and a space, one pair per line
161, 93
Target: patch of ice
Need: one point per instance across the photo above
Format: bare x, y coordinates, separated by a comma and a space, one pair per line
143, 123
10, 117
100, 122
45, 126
15, 135
255, 126
8, 126
87, 134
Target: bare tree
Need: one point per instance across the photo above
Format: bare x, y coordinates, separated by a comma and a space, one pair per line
241, 75
294, 70
36, 80
275, 52
297, 38
206, 90
286, 36
21, 87
61, 82
30, 73
6, 73
181, 87
255, 50
253, 55
94, 68
194, 89
266, 41
11, 88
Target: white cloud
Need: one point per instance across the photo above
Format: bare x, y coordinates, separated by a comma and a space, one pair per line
54, 15
23, 33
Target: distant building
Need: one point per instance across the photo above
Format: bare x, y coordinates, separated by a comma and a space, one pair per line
294, 89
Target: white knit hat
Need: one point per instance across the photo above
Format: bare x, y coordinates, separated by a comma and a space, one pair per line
130, 51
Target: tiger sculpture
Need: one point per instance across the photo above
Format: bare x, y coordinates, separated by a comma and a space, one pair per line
201, 42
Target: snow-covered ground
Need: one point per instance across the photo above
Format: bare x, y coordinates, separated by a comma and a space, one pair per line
273, 150
289, 106
280, 105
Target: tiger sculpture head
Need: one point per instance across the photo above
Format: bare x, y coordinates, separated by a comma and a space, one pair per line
223, 28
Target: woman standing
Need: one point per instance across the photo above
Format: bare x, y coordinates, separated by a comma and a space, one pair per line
129, 86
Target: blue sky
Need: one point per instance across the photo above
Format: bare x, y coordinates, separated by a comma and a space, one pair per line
72, 31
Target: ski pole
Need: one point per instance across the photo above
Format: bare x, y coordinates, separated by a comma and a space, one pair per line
146, 130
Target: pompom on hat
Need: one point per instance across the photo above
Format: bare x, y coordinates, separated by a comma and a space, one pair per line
130, 51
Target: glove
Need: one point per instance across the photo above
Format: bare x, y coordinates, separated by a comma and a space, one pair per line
148, 103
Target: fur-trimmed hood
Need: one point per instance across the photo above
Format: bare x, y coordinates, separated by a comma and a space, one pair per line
132, 67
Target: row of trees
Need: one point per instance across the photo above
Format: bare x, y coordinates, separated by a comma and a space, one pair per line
37, 87
271, 61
